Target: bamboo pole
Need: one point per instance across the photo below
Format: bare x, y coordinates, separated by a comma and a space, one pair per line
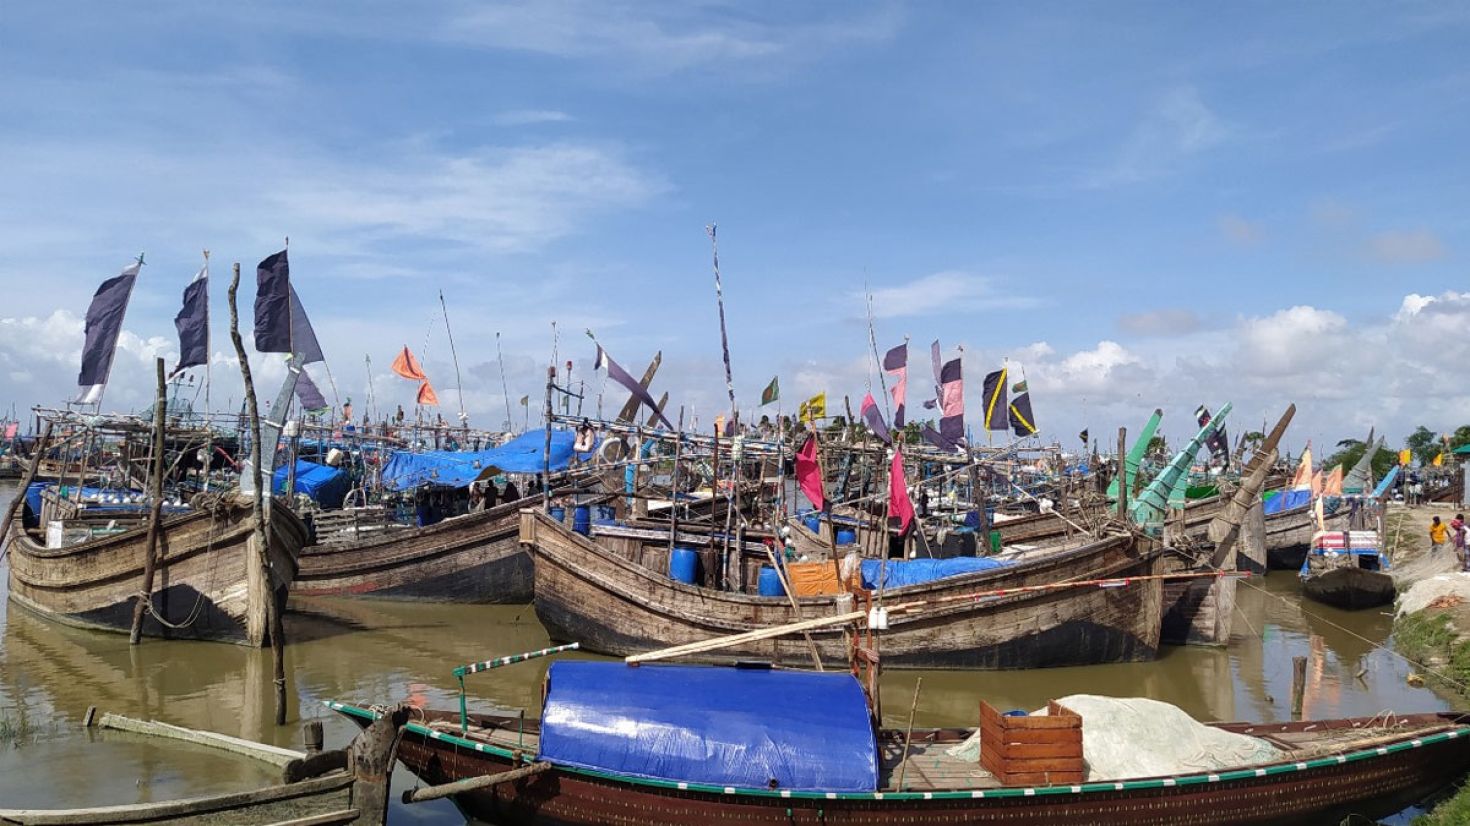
908, 737
470, 784
261, 536
155, 518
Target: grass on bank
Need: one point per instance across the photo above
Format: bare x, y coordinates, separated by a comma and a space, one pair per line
1428, 637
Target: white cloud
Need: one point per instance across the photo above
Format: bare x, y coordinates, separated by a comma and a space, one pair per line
950, 291
1240, 231
1406, 247
1177, 126
531, 117
1168, 321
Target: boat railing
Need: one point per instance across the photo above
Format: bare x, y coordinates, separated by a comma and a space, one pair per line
499, 662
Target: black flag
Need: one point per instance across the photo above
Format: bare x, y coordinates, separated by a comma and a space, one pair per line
104, 323
192, 322
1219, 443
281, 325
1022, 422
994, 401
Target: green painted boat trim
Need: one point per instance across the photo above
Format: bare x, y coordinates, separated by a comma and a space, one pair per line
1136, 453
1153, 503
977, 794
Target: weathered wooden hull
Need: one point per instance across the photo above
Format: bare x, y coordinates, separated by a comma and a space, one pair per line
588, 594
1289, 535
475, 558
1373, 783
1350, 588
206, 586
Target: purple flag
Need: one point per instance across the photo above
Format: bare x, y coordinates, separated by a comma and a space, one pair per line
935, 358
192, 322
281, 325
897, 363
874, 420
619, 375
309, 394
104, 323
952, 402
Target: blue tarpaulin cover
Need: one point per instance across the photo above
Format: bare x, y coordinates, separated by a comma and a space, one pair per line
722, 726
901, 572
1288, 500
457, 469
327, 486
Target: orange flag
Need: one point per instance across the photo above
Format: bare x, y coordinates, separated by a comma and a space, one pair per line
1317, 483
1333, 485
427, 395
408, 367
1303, 477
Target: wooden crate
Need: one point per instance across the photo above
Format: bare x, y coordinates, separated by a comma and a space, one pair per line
1032, 751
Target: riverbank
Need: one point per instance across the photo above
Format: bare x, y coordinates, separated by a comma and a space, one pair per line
1432, 623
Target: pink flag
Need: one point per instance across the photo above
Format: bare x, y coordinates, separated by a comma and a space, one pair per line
809, 474
10, 430
899, 506
874, 420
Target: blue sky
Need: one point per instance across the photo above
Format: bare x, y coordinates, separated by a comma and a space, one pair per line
1141, 204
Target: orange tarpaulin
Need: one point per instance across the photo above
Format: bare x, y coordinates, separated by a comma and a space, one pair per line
814, 579
408, 367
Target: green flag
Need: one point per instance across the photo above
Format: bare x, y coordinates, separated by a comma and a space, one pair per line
772, 392
1019, 388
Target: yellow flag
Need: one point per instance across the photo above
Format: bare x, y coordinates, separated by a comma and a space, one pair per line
813, 408
1406, 456
1439, 460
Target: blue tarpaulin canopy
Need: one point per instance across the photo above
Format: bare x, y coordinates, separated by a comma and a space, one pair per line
327, 486
1287, 500
456, 469
722, 726
901, 572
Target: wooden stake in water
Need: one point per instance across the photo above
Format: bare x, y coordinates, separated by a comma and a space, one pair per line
908, 736
155, 516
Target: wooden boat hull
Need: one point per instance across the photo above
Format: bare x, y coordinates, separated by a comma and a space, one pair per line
588, 594
1374, 783
476, 558
1350, 588
206, 586
1289, 535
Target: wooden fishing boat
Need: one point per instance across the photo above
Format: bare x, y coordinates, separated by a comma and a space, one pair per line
587, 592
1330, 768
206, 587
1289, 534
475, 558
348, 786
1347, 570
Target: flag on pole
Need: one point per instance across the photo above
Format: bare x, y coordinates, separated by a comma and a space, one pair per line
408, 367
899, 506
809, 475
1022, 422
1439, 460
813, 408
873, 417
525, 401
427, 396
994, 394
618, 374
772, 391
1019, 388
935, 359
309, 394
104, 323
1083, 436
281, 324
897, 363
1219, 443
1406, 456
952, 403
1302, 479
192, 322
1333, 485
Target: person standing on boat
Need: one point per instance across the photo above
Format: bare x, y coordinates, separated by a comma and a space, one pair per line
1439, 534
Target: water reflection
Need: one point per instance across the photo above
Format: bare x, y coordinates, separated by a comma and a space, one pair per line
381, 652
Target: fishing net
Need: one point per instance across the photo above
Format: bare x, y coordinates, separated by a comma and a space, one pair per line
1438, 591
1137, 737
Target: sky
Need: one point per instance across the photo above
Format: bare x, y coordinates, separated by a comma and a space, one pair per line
1133, 205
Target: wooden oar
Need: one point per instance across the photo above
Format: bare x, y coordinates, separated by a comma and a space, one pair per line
470, 784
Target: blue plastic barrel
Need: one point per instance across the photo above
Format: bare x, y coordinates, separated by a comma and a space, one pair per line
684, 565
769, 584
605, 514
582, 519
847, 536
558, 513
813, 522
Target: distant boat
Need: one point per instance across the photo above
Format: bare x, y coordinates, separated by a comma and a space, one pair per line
1347, 569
